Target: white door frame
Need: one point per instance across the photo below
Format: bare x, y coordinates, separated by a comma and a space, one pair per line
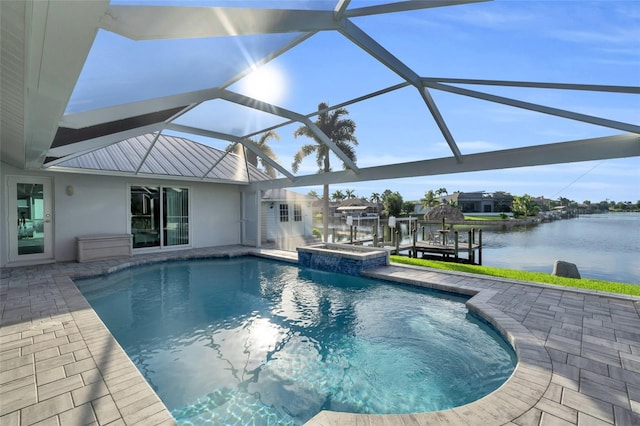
47, 222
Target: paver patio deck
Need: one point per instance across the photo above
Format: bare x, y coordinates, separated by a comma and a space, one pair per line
578, 352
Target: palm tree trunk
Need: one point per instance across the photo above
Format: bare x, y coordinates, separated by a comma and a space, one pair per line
325, 198
325, 212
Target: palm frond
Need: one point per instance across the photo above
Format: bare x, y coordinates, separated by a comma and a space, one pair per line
252, 158
338, 129
349, 152
271, 134
305, 151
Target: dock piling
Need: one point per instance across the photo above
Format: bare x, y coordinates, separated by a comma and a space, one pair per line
455, 245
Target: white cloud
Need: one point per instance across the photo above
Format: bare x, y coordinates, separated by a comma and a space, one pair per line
496, 19
608, 36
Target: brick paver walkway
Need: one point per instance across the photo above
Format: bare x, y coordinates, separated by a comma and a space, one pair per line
578, 352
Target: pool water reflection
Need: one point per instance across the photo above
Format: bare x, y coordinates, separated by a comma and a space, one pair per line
247, 340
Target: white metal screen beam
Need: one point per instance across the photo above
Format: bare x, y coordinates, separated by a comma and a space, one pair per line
536, 84
120, 112
404, 6
218, 161
442, 125
341, 8
148, 152
164, 22
171, 22
78, 148
332, 107
231, 138
609, 147
282, 112
361, 39
193, 98
627, 127
267, 58
369, 45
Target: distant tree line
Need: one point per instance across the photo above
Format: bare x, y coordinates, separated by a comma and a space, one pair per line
522, 205
598, 207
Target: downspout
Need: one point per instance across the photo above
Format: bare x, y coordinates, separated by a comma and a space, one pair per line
258, 200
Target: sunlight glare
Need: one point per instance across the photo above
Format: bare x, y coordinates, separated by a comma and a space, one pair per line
266, 83
264, 335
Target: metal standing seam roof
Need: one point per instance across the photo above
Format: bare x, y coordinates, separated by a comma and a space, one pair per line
165, 156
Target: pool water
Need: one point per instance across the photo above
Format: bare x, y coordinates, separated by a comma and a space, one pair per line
253, 341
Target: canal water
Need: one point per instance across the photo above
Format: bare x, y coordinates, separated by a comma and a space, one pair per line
603, 246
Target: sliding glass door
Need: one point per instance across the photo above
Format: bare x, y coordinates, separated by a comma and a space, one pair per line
159, 216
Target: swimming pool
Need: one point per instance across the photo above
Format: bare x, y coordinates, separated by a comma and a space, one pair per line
248, 340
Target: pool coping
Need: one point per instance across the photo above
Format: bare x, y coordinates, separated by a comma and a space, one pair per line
578, 351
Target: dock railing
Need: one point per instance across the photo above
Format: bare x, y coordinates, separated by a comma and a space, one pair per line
414, 238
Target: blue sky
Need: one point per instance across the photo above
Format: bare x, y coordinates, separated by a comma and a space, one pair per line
548, 41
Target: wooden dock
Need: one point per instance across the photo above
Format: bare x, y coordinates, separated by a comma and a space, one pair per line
452, 250
441, 245
462, 252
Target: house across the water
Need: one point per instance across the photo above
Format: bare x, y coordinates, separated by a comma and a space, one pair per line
481, 201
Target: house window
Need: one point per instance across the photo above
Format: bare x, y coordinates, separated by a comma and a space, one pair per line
284, 213
159, 216
297, 213
468, 207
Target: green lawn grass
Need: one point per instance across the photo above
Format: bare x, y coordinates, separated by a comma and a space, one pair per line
538, 277
481, 218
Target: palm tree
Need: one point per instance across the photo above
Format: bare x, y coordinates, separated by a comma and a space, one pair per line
252, 158
338, 195
375, 198
350, 194
429, 199
341, 132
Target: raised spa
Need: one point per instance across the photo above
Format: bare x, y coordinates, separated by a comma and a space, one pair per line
342, 258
